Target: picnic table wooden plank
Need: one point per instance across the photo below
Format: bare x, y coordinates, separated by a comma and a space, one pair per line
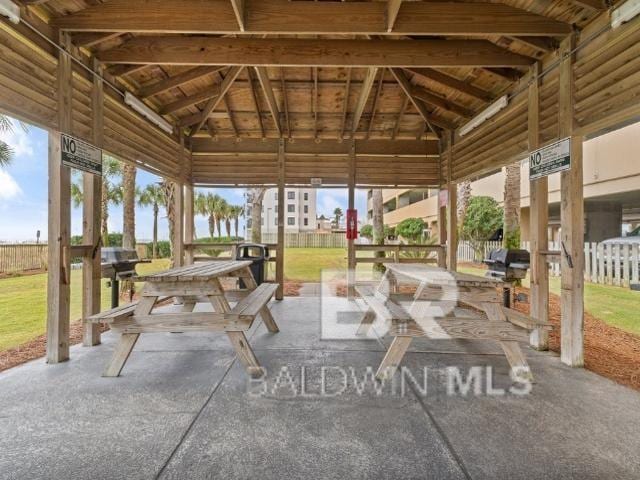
197, 272
440, 276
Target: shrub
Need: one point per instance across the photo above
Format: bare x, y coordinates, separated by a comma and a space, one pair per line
483, 218
411, 229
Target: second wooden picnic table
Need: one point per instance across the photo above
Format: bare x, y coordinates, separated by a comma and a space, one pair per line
433, 313
191, 284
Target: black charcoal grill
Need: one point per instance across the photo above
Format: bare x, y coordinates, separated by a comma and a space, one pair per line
508, 265
119, 264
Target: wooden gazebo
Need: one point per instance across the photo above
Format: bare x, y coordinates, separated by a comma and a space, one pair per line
282, 93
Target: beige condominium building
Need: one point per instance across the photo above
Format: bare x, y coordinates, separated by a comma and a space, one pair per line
611, 190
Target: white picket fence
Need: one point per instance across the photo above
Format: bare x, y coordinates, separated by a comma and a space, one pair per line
610, 264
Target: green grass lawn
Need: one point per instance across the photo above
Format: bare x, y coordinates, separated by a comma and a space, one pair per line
23, 304
23, 299
616, 306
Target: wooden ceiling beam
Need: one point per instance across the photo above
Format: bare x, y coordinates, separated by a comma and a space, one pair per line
285, 102
376, 99
311, 52
120, 70
91, 39
396, 128
176, 81
267, 89
452, 82
319, 18
248, 146
541, 44
592, 4
508, 74
189, 101
213, 103
254, 97
345, 104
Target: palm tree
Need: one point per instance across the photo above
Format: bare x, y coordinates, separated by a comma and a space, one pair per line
111, 193
378, 224
129, 205
219, 209
6, 153
227, 215
237, 211
169, 191
200, 207
152, 196
337, 213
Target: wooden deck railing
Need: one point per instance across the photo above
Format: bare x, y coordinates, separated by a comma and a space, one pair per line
401, 253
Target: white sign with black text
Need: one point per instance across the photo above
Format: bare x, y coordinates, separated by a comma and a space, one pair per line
550, 159
80, 155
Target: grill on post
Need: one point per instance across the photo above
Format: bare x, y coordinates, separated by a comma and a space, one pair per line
508, 265
118, 264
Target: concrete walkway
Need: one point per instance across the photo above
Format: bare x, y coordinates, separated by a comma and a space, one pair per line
183, 408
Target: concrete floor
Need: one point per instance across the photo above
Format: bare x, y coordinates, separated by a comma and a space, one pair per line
183, 408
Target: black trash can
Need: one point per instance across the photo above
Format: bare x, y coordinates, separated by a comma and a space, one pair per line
259, 255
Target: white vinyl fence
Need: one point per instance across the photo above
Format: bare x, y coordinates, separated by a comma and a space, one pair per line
308, 240
610, 264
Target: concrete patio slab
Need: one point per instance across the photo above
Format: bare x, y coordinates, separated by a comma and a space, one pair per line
184, 408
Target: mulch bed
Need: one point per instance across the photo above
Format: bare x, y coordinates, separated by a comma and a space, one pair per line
37, 347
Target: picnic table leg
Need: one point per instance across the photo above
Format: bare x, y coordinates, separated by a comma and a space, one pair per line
365, 324
245, 353
265, 313
128, 340
520, 369
393, 357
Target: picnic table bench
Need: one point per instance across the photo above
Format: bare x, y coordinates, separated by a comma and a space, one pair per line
190, 284
434, 311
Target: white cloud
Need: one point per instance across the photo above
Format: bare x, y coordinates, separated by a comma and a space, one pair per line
9, 188
18, 140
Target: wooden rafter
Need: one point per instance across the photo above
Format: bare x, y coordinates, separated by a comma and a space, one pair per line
440, 102
213, 103
541, 44
393, 7
345, 105
429, 118
396, 129
319, 18
362, 99
91, 39
375, 103
452, 82
176, 81
227, 107
314, 101
285, 102
508, 74
592, 4
267, 89
311, 52
123, 70
254, 98
239, 11
190, 100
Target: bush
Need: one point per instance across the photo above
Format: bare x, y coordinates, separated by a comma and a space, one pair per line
115, 240
367, 232
411, 229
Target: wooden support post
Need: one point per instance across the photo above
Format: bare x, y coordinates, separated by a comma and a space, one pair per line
452, 210
178, 229
91, 217
59, 265
571, 221
281, 218
189, 227
539, 220
351, 251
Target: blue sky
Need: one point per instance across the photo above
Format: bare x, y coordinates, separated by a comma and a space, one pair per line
23, 194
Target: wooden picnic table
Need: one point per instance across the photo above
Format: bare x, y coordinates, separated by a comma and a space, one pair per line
189, 284
435, 313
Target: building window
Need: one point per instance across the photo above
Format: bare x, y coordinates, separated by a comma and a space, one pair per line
276, 209
291, 220
306, 222
248, 223
306, 196
275, 221
276, 196
291, 195
306, 209
291, 208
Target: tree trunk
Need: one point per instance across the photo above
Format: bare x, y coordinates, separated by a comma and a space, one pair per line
236, 224
169, 189
129, 206
227, 226
219, 227
378, 225
464, 197
256, 196
212, 226
511, 229
155, 230
104, 206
